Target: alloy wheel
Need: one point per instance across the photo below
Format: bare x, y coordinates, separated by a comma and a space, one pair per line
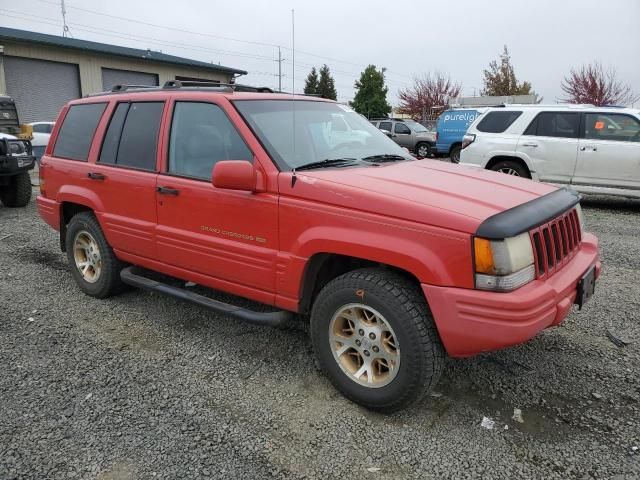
86, 254
364, 345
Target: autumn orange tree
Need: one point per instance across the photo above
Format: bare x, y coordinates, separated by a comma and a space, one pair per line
594, 84
428, 91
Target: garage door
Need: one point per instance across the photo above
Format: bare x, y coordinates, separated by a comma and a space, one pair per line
40, 88
111, 77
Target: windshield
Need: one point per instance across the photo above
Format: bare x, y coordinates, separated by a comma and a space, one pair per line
323, 131
415, 126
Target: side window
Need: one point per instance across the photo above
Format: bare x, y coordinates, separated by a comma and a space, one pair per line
385, 126
139, 139
402, 129
557, 124
40, 128
497, 122
132, 136
202, 135
76, 133
109, 151
611, 126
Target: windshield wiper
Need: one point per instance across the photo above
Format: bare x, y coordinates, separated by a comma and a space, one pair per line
387, 157
327, 162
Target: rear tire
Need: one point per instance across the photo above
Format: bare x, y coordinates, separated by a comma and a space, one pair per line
18, 192
511, 167
93, 264
375, 339
454, 155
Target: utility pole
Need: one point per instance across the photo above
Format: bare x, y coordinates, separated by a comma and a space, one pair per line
65, 27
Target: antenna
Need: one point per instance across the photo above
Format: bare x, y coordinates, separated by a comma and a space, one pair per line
65, 27
293, 87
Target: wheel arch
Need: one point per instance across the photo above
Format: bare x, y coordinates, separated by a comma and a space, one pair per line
68, 210
321, 268
501, 158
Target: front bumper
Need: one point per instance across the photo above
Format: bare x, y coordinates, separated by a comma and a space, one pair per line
473, 321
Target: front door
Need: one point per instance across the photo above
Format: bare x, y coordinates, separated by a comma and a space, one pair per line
402, 135
550, 142
229, 236
609, 153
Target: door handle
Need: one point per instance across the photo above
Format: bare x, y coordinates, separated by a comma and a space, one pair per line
168, 191
593, 149
96, 176
529, 144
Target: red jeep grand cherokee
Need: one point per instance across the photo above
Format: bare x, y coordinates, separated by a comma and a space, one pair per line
301, 204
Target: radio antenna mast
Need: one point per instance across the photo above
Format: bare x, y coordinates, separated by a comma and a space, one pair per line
65, 27
293, 88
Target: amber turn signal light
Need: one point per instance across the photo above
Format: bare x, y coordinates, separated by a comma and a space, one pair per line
483, 256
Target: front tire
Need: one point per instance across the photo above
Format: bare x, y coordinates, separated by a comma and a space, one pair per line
18, 192
93, 264
375, 339
423, 150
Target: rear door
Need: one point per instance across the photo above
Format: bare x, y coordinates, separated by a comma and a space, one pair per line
609, 152
551, 144
124, 176
229, 236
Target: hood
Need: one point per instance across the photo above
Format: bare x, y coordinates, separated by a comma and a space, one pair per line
425, 191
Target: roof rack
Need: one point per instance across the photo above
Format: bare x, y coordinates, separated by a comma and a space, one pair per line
190, 84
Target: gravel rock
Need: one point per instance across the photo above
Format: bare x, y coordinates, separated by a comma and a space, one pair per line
141, 386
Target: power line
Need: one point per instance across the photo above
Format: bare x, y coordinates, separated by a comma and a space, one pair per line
130, 36
252, 42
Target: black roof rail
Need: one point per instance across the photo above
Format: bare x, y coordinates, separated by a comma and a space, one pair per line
175, 84
122, 87
170, 84
227, 87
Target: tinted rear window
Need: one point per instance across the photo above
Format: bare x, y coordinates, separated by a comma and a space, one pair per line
497, 122
78, 128
139, 139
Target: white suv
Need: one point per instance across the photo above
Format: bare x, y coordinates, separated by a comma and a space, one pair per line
595, 149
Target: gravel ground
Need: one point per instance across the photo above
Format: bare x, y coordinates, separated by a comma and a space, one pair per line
141, 386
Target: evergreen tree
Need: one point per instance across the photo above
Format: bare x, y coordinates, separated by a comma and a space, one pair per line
326, 84
371, 96
500, 79
311, 83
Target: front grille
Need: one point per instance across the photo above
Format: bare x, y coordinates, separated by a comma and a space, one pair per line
556, 242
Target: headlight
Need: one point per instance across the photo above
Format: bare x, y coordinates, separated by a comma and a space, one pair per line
503, 265
580, 217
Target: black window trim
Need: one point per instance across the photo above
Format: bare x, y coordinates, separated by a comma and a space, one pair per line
93, 138
168, 148
129, 167
583, 125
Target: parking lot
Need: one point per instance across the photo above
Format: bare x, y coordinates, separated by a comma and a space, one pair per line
141, 386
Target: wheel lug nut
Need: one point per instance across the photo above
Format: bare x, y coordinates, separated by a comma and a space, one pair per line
372, 336
358, 342
376, 349
366, 353
361, 332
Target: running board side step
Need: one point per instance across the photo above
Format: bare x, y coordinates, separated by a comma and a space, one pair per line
130, 276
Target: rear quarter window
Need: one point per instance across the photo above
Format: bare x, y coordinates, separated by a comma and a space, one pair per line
497, 122
77, 131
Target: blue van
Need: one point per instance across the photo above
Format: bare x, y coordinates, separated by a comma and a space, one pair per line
451, 127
